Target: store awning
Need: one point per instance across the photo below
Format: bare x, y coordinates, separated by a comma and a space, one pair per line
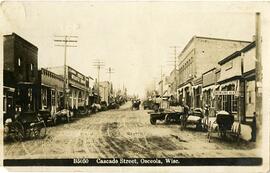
78, 87
235, 83
197, 86
26, 83
210, 87
188, 85
10, 89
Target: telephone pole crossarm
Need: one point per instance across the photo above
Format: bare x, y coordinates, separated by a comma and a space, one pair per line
65, 40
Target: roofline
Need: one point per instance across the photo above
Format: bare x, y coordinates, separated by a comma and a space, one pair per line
16, 35
209, 38
187, 45
237, 53
209, 71
223, 39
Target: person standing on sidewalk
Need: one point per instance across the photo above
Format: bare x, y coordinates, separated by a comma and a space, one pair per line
184, 116
253, 128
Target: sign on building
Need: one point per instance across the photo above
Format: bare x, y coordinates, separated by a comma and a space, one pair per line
226, 93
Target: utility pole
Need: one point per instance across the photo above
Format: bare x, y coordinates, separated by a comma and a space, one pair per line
175, 69
161, 87
258, 72
110, 71
65, 39
98, 64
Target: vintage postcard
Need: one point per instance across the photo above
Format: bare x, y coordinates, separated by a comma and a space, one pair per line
149, 86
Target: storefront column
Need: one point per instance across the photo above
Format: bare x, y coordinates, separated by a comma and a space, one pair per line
72, 97
77, 98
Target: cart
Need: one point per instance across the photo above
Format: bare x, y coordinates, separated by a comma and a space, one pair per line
135, 105
27, 125
166, 115
224, 127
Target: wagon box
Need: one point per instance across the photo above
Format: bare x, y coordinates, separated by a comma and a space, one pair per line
167, 115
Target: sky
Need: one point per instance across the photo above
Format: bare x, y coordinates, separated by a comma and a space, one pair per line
132, 38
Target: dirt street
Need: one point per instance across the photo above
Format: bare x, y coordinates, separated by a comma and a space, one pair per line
124, 133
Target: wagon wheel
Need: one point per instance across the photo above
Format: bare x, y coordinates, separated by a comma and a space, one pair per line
167, 118
42, 130
209, 133
238, 133
54, 120
18, 130
39, 129
153, 121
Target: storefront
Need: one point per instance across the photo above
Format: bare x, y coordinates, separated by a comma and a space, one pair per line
78, 87
51, 91
8, 102
20, 75
228, 96
197, 93
185, 94
209, 88
237, 83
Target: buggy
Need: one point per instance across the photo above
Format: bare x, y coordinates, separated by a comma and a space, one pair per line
167, 115
136, 104
224, 126
26, 125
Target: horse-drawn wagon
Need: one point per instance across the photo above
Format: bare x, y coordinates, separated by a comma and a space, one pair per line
25, 125
224, 126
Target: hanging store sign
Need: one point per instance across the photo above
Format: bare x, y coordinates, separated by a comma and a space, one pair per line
226, 93
76, 76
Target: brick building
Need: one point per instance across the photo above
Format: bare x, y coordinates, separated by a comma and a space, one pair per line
20, 75
198, 56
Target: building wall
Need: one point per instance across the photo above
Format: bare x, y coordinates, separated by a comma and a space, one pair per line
238, 70
250, 98
231, 68
210, 51
78, 85
57, 70
17, 49
202, 54
249, 59
51, 79
209, 78
21, 66
9, 59
186, 62
51, 90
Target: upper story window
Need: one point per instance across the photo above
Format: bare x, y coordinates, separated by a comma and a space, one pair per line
32, 69
19, 62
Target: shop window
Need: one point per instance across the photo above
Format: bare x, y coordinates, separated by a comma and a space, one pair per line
30, 105
235, 103
44, 97
19, 65
53, 98
197, 97
30, 94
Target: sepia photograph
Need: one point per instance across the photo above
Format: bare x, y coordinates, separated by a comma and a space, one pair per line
134, 84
